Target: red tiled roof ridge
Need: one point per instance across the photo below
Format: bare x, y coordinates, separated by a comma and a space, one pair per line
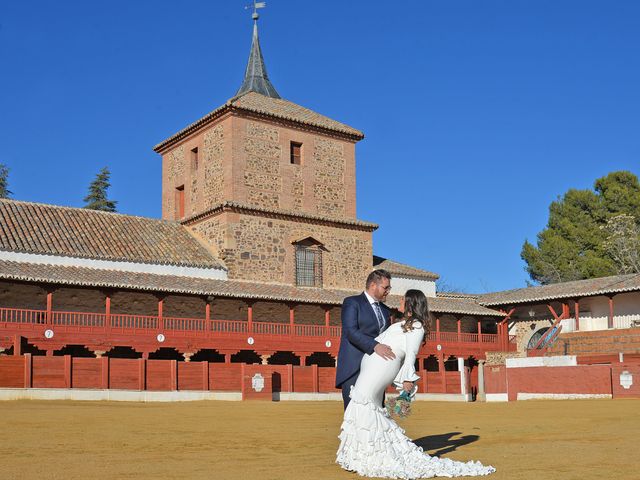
82, 209
231, 105
403, 269
275, 211
572, 289
72, 232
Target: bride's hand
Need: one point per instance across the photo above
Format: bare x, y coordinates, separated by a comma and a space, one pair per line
407, 386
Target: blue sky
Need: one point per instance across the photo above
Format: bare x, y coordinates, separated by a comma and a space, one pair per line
477, 113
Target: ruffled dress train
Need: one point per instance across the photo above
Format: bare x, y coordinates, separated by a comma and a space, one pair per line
371, 443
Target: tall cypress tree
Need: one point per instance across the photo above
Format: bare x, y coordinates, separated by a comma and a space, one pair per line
97, 197
4, 181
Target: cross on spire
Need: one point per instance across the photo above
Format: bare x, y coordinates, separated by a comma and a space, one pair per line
255, 75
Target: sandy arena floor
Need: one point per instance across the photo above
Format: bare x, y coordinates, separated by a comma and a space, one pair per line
579, 439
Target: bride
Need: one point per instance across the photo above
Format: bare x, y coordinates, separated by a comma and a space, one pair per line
371, 443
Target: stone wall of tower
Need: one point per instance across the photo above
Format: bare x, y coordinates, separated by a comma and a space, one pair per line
323, 184
261, 249
205, 180
248, 161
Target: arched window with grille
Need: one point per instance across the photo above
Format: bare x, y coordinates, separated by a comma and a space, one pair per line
309, 262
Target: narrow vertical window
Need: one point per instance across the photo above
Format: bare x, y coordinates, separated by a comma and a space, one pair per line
179, 202
296, 153
194, 158
309, 263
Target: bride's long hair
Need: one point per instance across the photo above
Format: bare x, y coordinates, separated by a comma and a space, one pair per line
416, 309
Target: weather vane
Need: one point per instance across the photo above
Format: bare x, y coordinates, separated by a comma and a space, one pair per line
256, 6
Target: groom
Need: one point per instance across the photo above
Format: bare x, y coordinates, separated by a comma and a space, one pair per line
364, 317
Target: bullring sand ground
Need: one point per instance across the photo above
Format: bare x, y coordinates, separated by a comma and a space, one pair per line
533, 440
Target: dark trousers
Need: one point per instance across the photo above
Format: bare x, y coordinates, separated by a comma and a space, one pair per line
346, 388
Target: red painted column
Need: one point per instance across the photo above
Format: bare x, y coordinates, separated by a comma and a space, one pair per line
174, 375
441, 370
205, 376
227, 358
292, 318
438, 329
107, 311
104, 363
459, 328
160, 312
28, 371
207, 312
67, 371
315, 378
303, 360
49, 308
17, 345
610, 322
479, 331
327, 319
577, 314
250, 317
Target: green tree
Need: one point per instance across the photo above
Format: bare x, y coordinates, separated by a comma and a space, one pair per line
573, 245
97, 197
4, 181
623, 242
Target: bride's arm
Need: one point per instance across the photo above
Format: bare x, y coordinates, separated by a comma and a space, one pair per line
407, 372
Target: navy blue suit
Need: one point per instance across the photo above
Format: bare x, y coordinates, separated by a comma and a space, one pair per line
359, 329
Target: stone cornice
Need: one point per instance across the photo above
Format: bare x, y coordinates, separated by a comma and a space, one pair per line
279, 214
230, 108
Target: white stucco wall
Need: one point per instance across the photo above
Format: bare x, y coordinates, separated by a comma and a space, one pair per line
400, 285
594, 311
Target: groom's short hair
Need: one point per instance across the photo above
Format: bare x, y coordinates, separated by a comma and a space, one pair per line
376, 276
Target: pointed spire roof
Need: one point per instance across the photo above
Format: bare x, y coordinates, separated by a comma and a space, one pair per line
255, 76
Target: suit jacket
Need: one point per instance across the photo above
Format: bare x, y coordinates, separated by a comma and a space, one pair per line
359, 329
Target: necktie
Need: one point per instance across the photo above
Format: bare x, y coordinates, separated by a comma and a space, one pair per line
379, 316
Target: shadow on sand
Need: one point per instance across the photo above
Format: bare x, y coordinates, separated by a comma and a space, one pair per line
436, 445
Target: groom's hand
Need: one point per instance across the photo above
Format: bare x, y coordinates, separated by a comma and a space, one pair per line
384, 351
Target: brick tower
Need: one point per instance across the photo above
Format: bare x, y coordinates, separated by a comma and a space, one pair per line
270, 185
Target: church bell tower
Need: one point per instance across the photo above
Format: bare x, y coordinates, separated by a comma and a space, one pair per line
270, 185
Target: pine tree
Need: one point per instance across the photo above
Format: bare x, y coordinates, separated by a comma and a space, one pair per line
4, 181
97, 197
574, 245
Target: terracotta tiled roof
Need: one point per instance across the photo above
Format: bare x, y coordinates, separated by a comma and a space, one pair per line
454, 306
556, 291
276, 212
457, 295
77, 232
277, 108
402, 270
89, 277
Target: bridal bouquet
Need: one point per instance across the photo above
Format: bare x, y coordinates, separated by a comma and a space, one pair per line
399, 406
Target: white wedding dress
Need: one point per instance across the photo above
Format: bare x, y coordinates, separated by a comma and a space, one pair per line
371, 443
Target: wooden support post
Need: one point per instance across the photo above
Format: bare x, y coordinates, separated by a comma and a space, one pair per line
28, 370
315, 378
459, 322
292, 317
49, 314
303, 359
104, 363
438, 329
479, 331
290, 377
442, 371
67, 372
17, 345
610, 319
107, 311
205, 376
142, 373
174, 375
160, 313
576, 306
227, 358
250, 317
207, 312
